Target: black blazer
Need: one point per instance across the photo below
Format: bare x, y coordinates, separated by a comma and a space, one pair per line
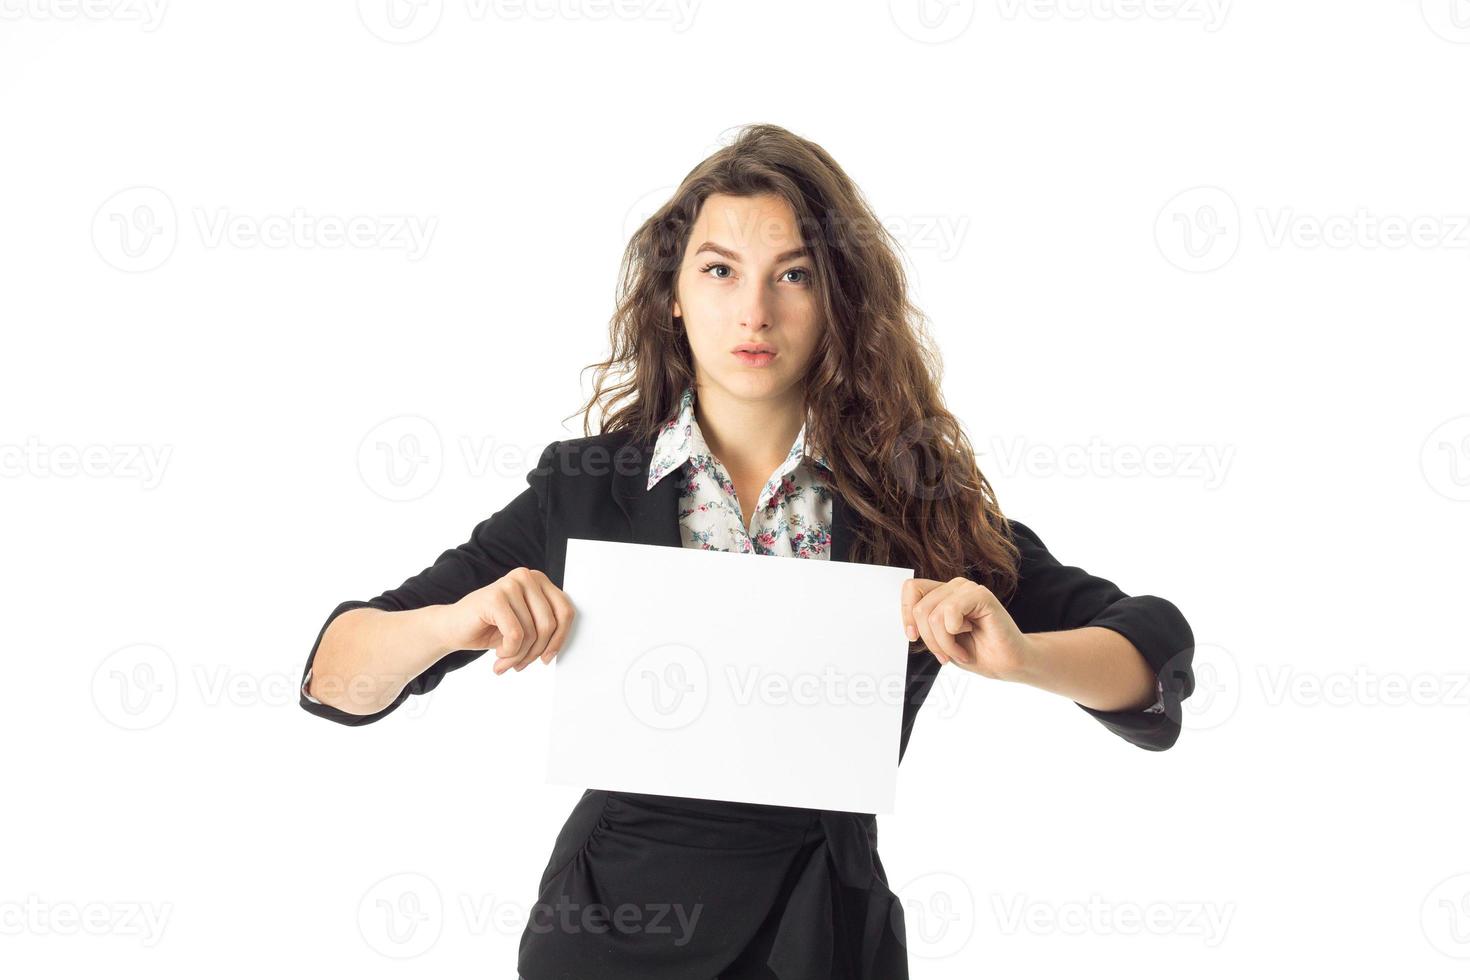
593, 487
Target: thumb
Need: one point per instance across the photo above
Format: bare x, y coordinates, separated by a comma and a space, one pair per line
955, 622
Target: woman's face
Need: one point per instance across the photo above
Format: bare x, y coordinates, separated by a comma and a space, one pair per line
746, 280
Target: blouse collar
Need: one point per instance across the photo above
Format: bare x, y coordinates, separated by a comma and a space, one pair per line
680, 441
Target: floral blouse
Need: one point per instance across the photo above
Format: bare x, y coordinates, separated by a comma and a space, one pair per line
793, 516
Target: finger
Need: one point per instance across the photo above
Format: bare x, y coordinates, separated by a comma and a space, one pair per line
514, 620
941, 616
544, 619
504, 620
907, 596
922, 624
930, 611
966, 611
953, 621
564, 613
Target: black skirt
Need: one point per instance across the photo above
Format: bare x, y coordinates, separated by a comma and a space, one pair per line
644, 887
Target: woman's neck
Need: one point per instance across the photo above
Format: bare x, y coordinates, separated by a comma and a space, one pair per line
750, 437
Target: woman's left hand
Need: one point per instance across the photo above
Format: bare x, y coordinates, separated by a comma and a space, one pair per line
961, 620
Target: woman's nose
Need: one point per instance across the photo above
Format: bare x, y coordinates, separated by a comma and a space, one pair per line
755, 306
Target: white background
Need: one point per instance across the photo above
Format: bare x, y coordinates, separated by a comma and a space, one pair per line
1041, 164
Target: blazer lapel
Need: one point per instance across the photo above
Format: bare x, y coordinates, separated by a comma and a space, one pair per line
653, 515
841, 519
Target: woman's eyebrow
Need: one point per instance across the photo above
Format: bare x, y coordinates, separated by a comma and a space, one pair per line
734, 256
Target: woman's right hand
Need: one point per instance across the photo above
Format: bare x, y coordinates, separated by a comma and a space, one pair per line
522, 616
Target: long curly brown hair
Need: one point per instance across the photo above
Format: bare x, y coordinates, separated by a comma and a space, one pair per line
901, 461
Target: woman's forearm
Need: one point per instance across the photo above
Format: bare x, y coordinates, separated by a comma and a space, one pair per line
1092, 665
367, 656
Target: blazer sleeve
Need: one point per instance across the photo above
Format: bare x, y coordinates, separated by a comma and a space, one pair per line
1052, 596
511, 537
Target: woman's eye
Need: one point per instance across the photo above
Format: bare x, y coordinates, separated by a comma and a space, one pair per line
804, 274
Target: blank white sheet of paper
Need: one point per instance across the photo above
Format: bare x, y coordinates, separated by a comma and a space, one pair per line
726, 676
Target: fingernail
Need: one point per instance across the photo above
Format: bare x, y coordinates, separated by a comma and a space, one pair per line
549, 654
912, 632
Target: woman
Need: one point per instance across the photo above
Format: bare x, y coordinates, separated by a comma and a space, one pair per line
777, 398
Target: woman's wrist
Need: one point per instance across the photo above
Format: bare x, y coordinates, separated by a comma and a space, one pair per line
1092, 665
440, 630
1030, 664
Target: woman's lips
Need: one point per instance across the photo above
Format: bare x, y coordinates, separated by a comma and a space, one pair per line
755, 360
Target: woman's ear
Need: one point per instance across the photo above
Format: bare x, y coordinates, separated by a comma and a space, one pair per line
677, 312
